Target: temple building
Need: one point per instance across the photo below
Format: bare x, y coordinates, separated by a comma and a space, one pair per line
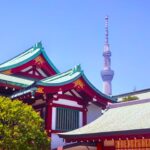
66, 101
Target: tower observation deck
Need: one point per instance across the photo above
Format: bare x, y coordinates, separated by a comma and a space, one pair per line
107, 74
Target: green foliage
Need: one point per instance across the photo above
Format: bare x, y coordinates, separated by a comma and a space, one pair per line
21, 127
129, 98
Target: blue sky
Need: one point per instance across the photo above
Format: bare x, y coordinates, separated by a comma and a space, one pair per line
72, 32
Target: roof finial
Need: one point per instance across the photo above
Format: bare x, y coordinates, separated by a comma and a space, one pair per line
38, 45
77, 68
106, 30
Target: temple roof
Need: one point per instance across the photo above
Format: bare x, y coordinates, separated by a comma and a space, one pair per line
69, 77
119, 118
62, 78
25, 57
7, 79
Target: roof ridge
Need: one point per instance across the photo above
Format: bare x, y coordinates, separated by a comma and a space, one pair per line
16, 56
128, 103
32, 47
97, 90
77, 68
26, 56
133, 92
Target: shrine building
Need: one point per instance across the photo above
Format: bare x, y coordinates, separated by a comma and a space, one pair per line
66, 101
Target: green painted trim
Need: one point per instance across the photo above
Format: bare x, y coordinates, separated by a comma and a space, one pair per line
81, 74
49, 61
58, 84
13, 80
96, 90
15, 56
24, 91
14, 83
21, 63
35, 47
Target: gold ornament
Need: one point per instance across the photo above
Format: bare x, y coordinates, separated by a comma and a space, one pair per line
79, 83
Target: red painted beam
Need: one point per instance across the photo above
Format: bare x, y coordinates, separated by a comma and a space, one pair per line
115, 137
48, 118
67, 106
84, 116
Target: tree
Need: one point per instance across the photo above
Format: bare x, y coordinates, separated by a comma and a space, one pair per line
129, 98
21, 128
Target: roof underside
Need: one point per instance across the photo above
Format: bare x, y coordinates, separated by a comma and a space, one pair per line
117, 119
8, 79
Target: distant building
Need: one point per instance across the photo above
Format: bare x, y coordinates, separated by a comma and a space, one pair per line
140, 94
107, 73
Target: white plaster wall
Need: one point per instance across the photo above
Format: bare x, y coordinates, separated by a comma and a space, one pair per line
53, 118
56, 141
93, 112
67, 102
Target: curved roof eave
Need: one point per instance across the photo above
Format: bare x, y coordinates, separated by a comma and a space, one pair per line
80, 74
40, 50
20, 63
96, 90
61, 83
15, 80
49, 61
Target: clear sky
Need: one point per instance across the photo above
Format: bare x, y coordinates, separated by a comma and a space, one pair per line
72, 32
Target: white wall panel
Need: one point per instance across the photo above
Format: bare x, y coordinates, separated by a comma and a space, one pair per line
67, 102
93, 112
53, 118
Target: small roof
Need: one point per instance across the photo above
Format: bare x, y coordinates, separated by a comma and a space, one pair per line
122, 117
15, 80
27, 56
62, 78
69, 77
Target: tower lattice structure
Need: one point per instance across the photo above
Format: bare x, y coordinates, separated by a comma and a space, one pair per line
107, 73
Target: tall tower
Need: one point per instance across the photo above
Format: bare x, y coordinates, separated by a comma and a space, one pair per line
107, 74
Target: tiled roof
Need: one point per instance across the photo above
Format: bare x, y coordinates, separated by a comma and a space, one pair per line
125, 116
69, 77
8, 79
66, 78
62, 78
25, 57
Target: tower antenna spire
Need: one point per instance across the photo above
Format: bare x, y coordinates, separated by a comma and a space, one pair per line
107, 74
106, 30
